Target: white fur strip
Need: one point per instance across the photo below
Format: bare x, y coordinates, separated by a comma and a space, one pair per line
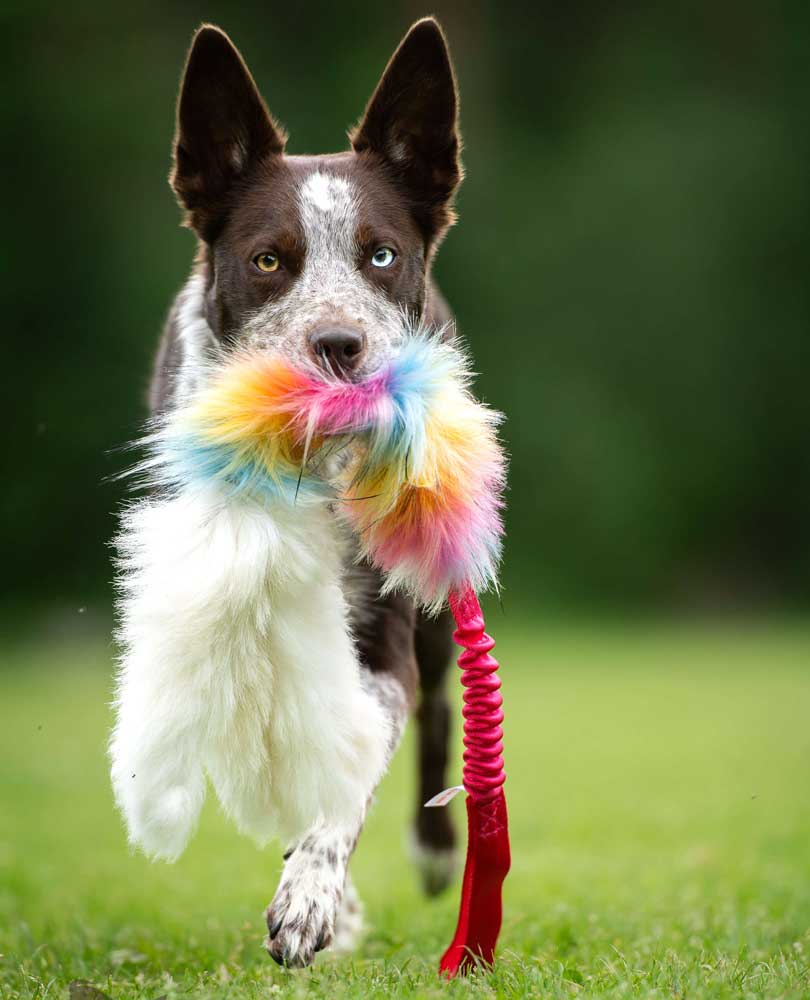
237, 663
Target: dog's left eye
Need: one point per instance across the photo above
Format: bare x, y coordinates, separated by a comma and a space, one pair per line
383, 257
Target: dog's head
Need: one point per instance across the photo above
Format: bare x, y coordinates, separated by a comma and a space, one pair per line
318, 257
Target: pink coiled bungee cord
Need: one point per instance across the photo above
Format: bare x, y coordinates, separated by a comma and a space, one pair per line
488, 857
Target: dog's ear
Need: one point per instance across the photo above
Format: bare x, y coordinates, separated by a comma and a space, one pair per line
223, 128
411, 123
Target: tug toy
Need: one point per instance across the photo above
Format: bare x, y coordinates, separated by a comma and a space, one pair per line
411, 461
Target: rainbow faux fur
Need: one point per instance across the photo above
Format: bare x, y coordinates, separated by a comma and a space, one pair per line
420, 473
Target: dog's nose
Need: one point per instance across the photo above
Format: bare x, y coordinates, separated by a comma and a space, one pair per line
337, 348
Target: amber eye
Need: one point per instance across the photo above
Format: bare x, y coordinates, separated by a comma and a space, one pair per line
266, 262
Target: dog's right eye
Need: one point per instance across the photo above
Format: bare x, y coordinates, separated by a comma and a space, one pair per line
266, 262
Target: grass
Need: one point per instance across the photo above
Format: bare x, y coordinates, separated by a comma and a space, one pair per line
659, 792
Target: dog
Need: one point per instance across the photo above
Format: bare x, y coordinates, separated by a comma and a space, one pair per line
226, 673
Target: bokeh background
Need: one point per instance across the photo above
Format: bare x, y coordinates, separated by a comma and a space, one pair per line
631, 272
630, 269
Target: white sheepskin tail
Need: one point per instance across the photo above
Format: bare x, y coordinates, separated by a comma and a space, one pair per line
237, 664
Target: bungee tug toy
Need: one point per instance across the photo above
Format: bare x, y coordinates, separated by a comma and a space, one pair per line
411, 462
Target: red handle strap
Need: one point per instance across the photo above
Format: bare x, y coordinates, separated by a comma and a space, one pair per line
488, 858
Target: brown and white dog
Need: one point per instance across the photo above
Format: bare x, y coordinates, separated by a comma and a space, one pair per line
318, 258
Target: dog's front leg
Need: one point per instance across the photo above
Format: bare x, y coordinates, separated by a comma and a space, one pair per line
306, 911
301, 919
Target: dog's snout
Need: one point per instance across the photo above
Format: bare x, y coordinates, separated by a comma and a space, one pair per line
337, 348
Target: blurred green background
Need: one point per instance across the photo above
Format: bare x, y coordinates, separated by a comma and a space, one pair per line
630, 270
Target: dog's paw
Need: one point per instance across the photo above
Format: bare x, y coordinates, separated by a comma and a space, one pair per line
350, 925
301, 919
437, 866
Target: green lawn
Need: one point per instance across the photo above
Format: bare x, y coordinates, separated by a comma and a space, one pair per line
659, 792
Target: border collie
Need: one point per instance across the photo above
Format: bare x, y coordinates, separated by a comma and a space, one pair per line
256, 652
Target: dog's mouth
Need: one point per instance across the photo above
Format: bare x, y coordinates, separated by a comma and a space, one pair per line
334, 369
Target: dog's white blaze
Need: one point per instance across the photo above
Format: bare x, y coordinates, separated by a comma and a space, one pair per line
331, 285
238, 664
319, 190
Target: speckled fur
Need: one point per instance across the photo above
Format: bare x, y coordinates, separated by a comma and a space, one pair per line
302, 918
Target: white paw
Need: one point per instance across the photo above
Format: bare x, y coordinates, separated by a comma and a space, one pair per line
437, 866
302, 917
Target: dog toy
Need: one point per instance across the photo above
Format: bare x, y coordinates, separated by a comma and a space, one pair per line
412, 463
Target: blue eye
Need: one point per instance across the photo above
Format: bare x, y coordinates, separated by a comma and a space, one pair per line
383, 257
